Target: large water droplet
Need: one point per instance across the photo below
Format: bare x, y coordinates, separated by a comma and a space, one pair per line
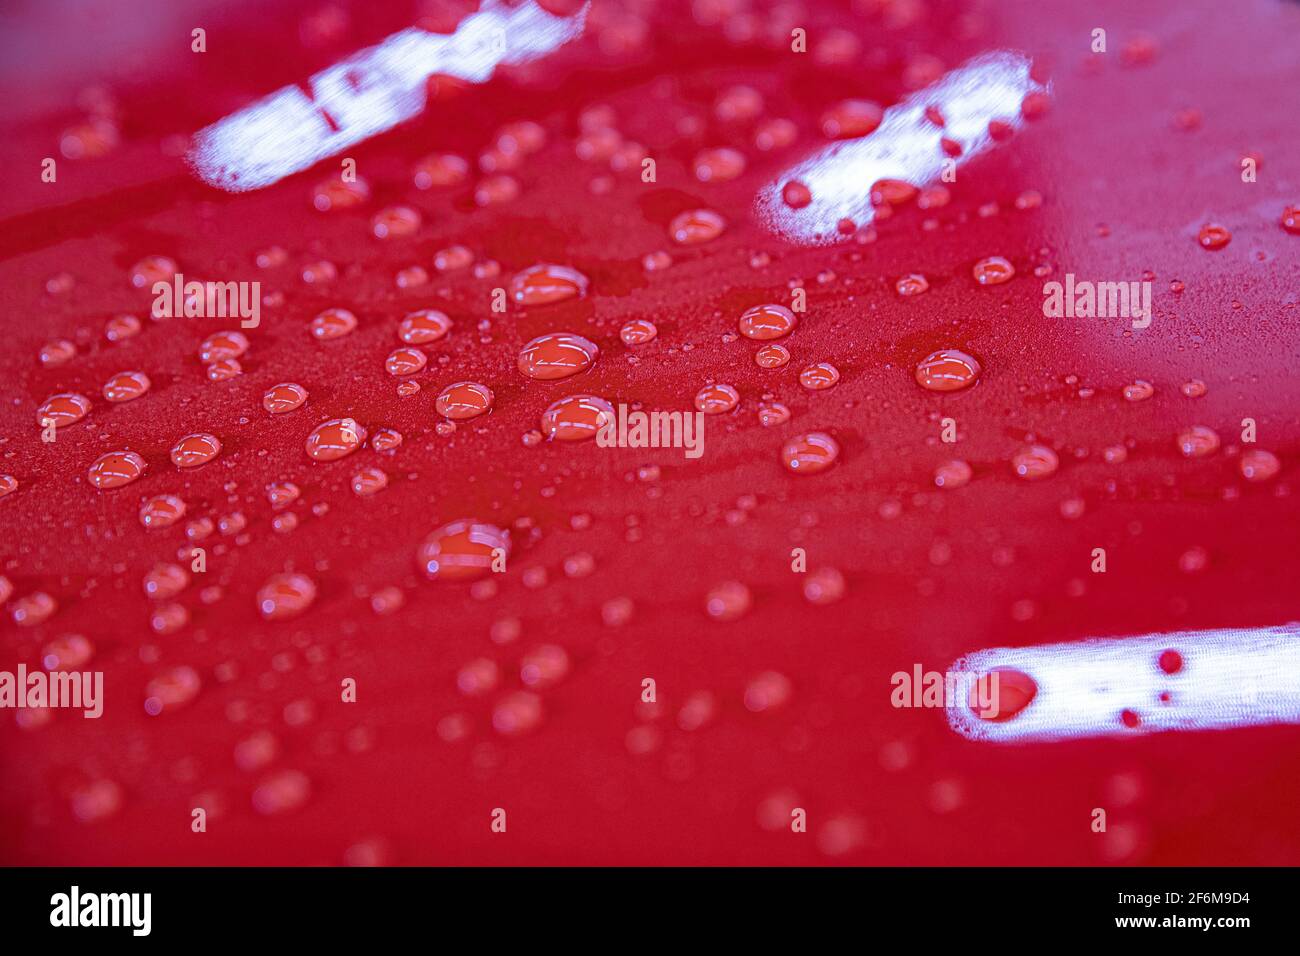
557, 355
462, 550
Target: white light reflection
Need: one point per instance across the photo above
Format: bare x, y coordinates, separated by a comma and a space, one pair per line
370, 92
906, 146
1228, 678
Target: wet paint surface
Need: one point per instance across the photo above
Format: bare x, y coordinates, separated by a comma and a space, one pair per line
521, 690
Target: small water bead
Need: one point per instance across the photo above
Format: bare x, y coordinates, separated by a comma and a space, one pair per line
1115, 454
66, 652
319, 273
767, 691
1139, 391
33, 609
952, 474
168, 618
1034, 462
948, 370
6, 589
334, 194
576, 418
423, 327
718, 165
152, 269
556, 355
172, 689
222, 345
121, 327
994, 270
464, 400
284, 523
818, 377
281, 494
696, 226
772, 355
809, 454
544, 666
332, 324
773, 413
1213, 237
285, 596
164, 581
222, 370
284, 397
56, 353
478, 677
1192, 561
453, 258
162, 511
546, 283
411, 277
282, 792
765, 322
775, 133
824, 586
405, 361
517, 713
395, 222
738, 103
1194, 389
8, 485
850, 119
195, 450
638, 332
463, 550
1259, 465
1198, 442
62, 410
910, 285
335, 439
369, 481
728, 601
126, 386
1291, 219
495, 190
115, 469
716, 399
439, 170
796, 195
892, 192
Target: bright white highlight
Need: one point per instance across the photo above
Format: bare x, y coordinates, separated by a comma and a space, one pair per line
906, 146
379, 87
1229, 678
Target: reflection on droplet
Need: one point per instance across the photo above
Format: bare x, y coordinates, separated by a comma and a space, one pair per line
126, 386
115, 469
332, 324
764, 322
576, 418
716, 399
728, 601
463, 550
284, 397
335, 439
62, 410
423, 327
948, 370
993, 271
809, 454
285, 596
556, 355
195, 450
1034, 462
547, 283
1259, 465
696, 226
463, 400
162, 511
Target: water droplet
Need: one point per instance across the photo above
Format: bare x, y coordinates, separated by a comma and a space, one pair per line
772, 355
1198, 442
63, 409
8, 485
821, 376
284, 397
332, 324
281, 792
152, 269
993, 271
556, 355
452, 259
544, 666
718, 165
948, 370
576, 418
767, 691
285, 596
335, 439
764, 322
405, 361
172, 689
168, 618
126, 386
1213, 237
638, 332
1139, 391
386, 440
195, 450
121, 327
162, 511
517, 713
796, 195
910, 285
56, 353
222, 345
696, 226
773, 413
1194, 389
1291, 219
1034, 462
115, 469
423, 327
463, 400
728, 601
67, 652
892, 192
952, 474
850, 119
32, 609
1259, 465
1170, 661
809, 454
547, 283
439, 170
334, 193
824, 586
716, 399
462, 550
369, 481
395, 222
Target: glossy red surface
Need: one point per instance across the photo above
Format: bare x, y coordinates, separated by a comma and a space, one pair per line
522, 690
